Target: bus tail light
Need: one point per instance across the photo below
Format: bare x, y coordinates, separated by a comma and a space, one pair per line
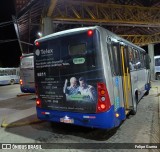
103, 98
37, 43
21, 82
38, 102
90, 32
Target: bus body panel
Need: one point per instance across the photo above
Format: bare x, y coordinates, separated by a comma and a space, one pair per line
27, 76
27, 84
157, 67
106, 64
102, 120
139, 80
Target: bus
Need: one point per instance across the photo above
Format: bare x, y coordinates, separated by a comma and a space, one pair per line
88, 77
27, 84
9, 76
157, 67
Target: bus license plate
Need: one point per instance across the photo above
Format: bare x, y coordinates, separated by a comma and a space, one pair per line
66, 120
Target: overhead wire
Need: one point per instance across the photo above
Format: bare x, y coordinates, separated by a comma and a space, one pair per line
6, 23
9, 40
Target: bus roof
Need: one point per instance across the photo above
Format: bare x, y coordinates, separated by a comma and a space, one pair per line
77, 30
158, 56
8, 68
26, 55
65, 32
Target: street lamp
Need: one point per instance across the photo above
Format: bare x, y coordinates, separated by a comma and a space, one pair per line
39, 34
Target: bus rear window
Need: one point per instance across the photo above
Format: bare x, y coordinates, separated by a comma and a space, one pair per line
77, 49
27, 62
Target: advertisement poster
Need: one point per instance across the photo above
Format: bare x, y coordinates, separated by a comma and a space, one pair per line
68, 82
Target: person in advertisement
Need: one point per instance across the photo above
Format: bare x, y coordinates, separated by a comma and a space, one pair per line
72, 89
80, 92
87, 90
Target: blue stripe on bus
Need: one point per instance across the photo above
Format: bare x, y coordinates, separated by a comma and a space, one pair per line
27, 90
105, 120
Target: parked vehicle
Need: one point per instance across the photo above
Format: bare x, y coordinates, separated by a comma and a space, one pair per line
88, 77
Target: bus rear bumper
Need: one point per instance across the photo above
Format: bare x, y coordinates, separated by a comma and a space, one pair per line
105, 120
27, 90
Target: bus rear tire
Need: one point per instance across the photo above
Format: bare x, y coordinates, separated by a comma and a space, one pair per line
146, 93
134, 110
12, 82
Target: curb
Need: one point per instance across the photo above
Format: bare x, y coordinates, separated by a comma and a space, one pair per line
25, 94
5, 125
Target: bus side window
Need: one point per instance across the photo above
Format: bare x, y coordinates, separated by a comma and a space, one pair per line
114, 55
142, 59
111, 57
131, 59
136, 59
157, 62
147, 61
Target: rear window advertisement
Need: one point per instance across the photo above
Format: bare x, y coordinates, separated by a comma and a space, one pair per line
79, 90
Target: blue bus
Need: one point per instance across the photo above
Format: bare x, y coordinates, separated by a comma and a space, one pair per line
88, 77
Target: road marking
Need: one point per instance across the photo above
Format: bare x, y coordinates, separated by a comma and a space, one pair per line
6, 125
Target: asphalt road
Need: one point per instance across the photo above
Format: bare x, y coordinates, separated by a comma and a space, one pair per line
9, 91
138, 129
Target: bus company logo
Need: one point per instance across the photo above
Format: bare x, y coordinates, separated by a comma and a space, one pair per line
37, 52
46, 51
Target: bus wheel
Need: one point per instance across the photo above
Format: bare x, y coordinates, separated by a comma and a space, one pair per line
157, 76
12, 82
146, 93
134, 110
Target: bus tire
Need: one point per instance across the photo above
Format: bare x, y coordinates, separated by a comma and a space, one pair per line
134, 110
12, 82
146, 93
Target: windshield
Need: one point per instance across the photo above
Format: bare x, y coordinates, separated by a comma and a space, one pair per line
157, 62
27, 62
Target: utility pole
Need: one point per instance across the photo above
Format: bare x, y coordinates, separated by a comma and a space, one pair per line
17, 32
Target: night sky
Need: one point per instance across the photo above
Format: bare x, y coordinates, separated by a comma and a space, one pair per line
10, 51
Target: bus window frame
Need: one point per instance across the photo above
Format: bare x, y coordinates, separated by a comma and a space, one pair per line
115, 59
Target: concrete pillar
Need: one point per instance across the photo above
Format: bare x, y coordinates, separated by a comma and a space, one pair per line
152, 63
48, 27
